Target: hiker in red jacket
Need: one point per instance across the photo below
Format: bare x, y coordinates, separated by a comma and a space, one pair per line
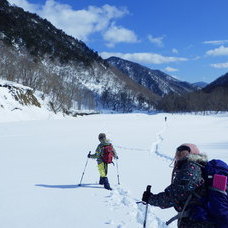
104, 155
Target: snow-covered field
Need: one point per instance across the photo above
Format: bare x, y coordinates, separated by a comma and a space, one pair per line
41, 163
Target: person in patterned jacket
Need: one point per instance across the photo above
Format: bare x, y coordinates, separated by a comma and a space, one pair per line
186, 188
102, 166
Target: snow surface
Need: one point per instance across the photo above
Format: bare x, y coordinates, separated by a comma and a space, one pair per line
41, 164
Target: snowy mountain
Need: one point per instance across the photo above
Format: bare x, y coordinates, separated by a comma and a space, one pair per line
155, 80
36, 54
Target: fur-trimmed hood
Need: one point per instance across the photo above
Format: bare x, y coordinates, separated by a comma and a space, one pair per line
197, 158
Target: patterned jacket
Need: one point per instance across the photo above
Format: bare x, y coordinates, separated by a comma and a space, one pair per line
98, 153
187, 178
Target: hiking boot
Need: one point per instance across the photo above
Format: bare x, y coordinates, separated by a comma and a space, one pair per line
106, 184
101, 181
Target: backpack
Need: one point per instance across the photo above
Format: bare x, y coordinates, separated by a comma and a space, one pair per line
212, 208
107, 154
215, 174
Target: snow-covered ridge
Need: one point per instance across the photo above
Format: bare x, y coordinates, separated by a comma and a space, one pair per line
155, 80
18, 102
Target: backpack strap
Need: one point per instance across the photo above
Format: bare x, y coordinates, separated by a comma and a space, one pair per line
181, 214
109, 144
178, 216
173, 219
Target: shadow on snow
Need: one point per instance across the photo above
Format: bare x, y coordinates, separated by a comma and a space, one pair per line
70, 186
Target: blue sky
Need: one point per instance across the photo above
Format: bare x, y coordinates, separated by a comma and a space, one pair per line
187, 39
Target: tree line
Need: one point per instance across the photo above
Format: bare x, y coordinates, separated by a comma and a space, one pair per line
199, 101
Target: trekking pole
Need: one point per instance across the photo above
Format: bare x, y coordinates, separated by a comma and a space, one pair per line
118, 176
84, 169
145, 218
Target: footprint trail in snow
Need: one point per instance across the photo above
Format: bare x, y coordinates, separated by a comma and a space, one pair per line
155, 145
127, 213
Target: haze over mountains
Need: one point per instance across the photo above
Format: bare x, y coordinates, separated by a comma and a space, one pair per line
200, 84
36, 54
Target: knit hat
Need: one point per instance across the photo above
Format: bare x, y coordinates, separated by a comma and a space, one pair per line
193, 148
185, 149
101, 136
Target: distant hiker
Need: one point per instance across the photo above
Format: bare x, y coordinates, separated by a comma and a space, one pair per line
186, 191
165, 119
104, 155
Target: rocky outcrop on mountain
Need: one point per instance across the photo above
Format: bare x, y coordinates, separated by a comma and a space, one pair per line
22, 95
22, 103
